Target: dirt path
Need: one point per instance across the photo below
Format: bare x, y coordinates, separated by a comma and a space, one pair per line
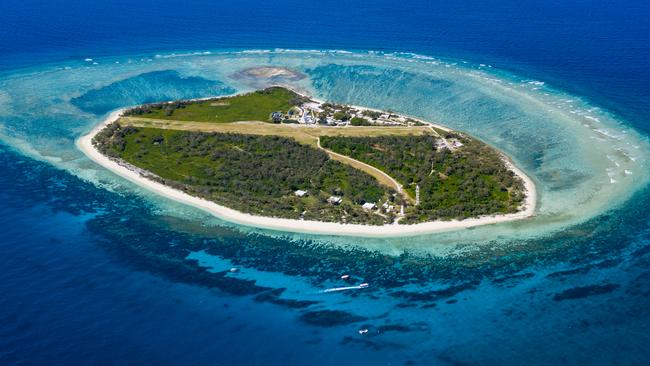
378, 174
306, 135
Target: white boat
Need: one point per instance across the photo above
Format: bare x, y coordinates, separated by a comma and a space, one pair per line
336, 289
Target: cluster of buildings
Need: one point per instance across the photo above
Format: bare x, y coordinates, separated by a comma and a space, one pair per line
451, 144
313, 113
337, 200
386, 119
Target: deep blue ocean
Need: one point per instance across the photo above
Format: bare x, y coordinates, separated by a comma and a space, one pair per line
94, 276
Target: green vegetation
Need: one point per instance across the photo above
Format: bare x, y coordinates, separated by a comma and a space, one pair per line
359, 121
250, 173
255, 106
225, 150
341, 115
467, 182
371, 114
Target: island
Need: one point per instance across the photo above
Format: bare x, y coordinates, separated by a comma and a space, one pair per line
278, 159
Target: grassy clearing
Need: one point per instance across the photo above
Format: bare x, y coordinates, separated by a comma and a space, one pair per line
255, 106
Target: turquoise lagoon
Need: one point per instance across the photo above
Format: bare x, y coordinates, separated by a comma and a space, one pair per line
584, 160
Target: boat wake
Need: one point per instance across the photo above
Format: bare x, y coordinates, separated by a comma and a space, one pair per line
346, 288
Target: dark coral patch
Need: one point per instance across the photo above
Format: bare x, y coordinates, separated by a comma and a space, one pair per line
585, 291
330, 318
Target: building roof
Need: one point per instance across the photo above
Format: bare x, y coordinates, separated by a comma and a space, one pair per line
313, 106
335, 199
369, 205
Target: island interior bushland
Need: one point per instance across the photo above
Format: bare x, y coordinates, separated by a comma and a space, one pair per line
277, 153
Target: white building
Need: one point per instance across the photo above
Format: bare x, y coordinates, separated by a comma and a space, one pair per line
369, 206
300, 193
387, 207
335, 200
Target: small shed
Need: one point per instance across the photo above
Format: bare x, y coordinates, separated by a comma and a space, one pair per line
369, 206
335, 200
300, 193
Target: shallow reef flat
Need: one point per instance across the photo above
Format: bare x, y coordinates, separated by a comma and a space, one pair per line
583, 159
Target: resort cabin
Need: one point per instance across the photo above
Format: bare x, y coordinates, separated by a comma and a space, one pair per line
300, 193
369, 206
335, 200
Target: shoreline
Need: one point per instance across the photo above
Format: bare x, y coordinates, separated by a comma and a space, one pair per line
84, 143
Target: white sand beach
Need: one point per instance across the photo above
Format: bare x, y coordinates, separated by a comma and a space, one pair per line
84, 143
